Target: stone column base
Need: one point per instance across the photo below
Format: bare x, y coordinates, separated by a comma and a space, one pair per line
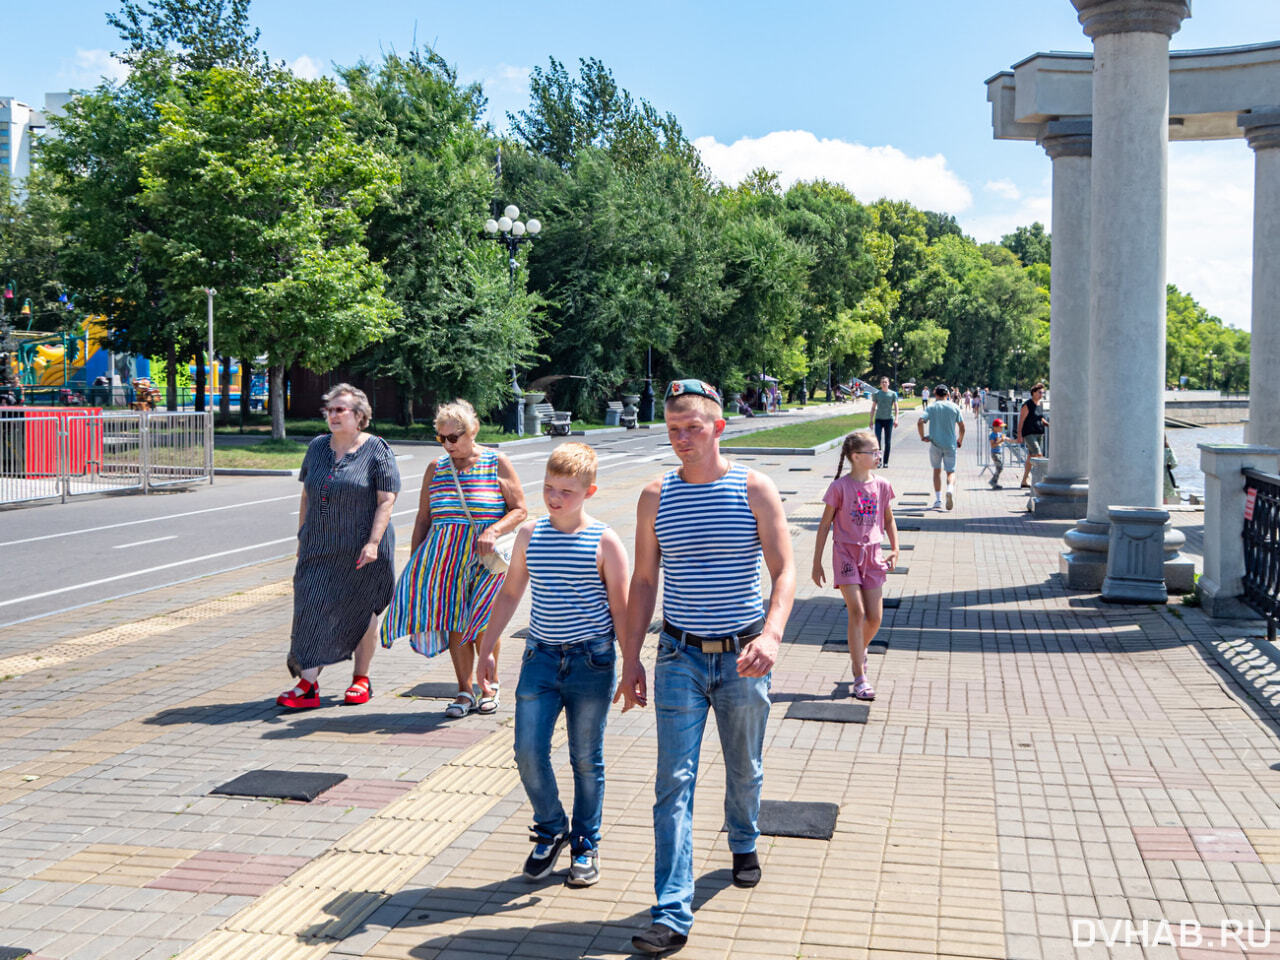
1217, 602
1060, 498
1135, 559
1084, 565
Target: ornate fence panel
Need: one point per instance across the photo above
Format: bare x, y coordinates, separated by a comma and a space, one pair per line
1262, 546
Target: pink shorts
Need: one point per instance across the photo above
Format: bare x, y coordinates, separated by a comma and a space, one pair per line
859, 564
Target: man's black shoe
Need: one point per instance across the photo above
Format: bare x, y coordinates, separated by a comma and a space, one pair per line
746, 869
659, 938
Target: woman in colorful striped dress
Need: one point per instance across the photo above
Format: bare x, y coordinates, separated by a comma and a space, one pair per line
444, 594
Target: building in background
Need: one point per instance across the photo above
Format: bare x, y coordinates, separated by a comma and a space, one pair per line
20, 124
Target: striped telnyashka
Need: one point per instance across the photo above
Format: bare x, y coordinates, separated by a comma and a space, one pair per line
570, 601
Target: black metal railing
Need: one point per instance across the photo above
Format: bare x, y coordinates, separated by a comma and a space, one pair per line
1262, 547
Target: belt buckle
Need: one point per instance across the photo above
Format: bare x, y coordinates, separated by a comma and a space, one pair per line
721, 645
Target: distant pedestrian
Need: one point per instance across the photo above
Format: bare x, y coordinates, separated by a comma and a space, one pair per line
859, 513
578, 568
1171, 492
885, 416
996, 440
946, 436
346, 549
1031, 424
470, 496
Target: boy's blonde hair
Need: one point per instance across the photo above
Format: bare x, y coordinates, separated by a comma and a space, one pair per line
575, 460
693, 401
460, 412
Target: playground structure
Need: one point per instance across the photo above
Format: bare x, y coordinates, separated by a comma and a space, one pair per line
70, 368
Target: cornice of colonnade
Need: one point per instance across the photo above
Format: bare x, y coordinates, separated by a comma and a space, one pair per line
1067, 138
1209, 89
1261, 126
1102, 17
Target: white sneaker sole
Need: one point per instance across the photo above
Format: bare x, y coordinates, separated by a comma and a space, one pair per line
951, 502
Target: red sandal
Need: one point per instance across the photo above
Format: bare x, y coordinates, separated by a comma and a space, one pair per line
360, 691
302, 697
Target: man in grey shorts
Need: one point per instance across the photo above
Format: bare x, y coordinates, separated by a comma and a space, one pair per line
946, 436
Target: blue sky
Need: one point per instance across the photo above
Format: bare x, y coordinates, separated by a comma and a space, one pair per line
886, 97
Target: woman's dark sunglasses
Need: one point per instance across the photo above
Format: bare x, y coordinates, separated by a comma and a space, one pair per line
449, 437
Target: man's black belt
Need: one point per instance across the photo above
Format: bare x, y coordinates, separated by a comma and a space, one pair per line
725, 644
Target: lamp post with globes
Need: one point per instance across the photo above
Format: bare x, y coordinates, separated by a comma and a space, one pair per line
895, 351
510, 231
1209, 357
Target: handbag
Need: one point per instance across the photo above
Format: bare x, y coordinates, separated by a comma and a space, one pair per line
500, 559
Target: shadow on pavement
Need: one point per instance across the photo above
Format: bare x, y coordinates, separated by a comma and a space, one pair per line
587, 939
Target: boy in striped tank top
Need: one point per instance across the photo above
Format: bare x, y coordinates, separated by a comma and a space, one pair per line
578, 568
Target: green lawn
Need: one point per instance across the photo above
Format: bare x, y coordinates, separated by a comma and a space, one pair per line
307, 429
808, 434
267, 454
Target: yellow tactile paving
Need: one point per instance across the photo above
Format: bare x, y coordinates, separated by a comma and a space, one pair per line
91, 643
1266, 843
331, 896
120, 866
226, 944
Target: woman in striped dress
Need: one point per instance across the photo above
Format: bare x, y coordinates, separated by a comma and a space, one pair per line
444, 594
346, 549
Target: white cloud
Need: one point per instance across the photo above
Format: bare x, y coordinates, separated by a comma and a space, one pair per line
306, 68
869, 172
87, 68
1210, 238
1003, 188
1211, 226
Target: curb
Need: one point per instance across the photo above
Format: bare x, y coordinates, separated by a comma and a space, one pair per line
265, 472
787, 451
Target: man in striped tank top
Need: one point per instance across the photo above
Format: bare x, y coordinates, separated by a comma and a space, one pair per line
578, 568
705, 526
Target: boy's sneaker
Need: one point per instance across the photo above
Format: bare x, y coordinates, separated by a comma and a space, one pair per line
543, 859
951, 500
937, 503
585, 868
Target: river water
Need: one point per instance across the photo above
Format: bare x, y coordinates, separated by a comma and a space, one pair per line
1184, 444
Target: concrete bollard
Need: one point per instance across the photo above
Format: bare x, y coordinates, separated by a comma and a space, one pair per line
1135, 556
1221, 584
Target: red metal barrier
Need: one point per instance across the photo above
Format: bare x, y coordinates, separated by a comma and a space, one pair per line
84, 439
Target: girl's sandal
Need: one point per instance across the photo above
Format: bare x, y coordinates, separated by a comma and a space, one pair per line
489, 703
862, 690
458, 708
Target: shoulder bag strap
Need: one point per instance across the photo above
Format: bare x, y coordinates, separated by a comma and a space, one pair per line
453, 472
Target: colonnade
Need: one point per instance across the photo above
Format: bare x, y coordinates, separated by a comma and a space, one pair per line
1108, 143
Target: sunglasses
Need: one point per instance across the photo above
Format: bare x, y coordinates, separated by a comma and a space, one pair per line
449, 437
330, 411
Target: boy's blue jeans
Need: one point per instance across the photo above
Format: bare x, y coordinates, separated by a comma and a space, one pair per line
578, 678
686, 682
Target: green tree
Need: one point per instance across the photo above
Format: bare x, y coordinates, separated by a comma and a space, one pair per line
461, 324
195, 35
1197, 342
30, 243
261, 189
1029, 244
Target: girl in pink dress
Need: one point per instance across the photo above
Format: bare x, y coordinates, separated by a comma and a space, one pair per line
858, 509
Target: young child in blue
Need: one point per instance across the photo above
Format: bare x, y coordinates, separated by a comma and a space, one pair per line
578, 568
997, 439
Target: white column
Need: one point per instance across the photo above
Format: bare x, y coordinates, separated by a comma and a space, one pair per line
1262, 130
1127, 263
1063, 491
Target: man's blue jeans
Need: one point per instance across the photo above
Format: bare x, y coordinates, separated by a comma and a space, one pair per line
686, 682
884, 436
579, 678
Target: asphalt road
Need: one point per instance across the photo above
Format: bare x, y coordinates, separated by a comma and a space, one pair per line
57, 557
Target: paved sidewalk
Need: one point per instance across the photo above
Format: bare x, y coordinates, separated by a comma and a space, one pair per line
1037, 767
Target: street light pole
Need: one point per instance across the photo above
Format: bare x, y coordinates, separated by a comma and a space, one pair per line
509, 231
208, 380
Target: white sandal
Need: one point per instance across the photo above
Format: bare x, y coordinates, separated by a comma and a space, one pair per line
489, 704
457, 710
